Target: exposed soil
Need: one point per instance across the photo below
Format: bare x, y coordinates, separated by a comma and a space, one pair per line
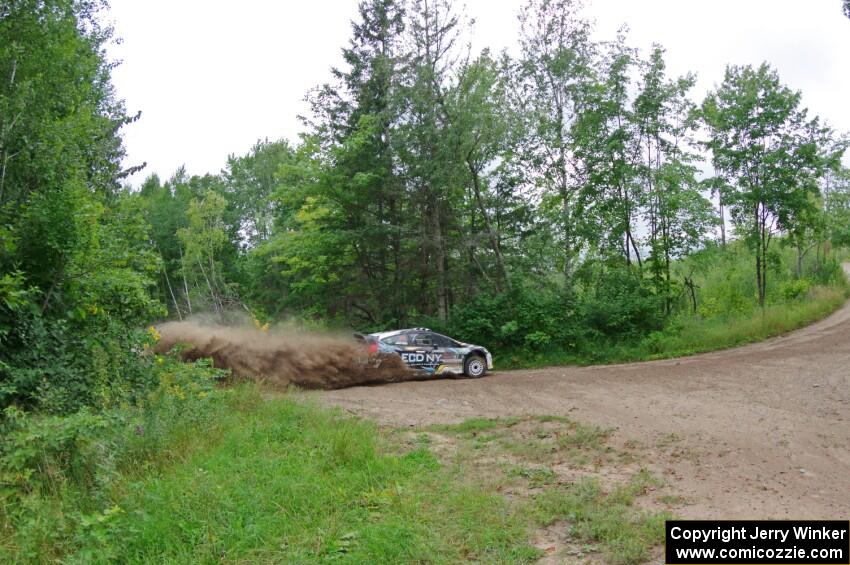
283, 358
761, 431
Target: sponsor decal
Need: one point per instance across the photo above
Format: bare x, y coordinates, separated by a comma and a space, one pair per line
421, 359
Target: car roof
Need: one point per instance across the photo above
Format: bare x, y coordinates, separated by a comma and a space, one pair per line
382, 335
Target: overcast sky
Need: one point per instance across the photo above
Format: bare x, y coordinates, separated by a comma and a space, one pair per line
211, 77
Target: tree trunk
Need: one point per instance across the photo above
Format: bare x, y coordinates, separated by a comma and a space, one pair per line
491, 234
759, 250
439, 263
171, 292
185, 282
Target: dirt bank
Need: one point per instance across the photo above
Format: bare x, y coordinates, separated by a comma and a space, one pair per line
283, 358
761, 431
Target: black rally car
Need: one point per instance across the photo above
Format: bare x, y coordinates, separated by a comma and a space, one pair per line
433, 353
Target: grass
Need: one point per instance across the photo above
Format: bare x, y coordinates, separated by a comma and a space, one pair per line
696, 336
548, 466
625, 533
281, 481
239, 478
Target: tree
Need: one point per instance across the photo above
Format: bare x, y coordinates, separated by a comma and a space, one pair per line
675, 212
250, 181
476, 109
606, 144
836, 197
353, 124
430, 165
203, 240
770, 153
556, 61
77, 271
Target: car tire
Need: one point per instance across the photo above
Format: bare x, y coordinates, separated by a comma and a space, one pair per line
475, 367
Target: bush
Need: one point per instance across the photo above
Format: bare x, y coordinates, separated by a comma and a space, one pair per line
620, 304
62, 365
521, 317
48, 455
794, 289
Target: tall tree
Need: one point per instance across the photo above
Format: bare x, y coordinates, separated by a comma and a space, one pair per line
353, 122
771, 154
556, 62
479, 114
675, 212
429, 164
607, 146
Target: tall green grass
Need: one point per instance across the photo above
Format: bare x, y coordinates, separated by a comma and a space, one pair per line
694, 335
264, 481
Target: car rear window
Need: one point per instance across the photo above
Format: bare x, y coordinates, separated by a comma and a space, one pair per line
400, 339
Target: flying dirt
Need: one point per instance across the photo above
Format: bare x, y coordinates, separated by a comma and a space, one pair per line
283, 358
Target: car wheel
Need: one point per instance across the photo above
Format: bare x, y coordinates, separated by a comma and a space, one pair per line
475, 367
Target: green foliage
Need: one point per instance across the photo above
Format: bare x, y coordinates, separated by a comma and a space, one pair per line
77, 266
59, 474
727, 311
794, 289
620, 305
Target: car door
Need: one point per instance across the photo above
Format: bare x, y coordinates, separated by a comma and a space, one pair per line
450, 356
421, 352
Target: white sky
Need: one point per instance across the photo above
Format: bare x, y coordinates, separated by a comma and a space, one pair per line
213, 77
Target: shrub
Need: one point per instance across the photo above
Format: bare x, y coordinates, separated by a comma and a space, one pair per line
39, 448
62, 365
48, 461
537, 340
518, 318
621, 304
794, 289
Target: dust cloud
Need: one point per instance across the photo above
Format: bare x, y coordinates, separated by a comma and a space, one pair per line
283, 358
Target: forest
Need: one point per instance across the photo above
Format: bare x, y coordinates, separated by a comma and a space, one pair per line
568, 203
571, 199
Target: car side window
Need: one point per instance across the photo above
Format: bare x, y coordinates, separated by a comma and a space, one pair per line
442, 341
422, 340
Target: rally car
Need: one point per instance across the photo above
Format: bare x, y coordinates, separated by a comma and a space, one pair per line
430, 352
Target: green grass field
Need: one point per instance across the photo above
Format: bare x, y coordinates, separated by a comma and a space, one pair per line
275, 480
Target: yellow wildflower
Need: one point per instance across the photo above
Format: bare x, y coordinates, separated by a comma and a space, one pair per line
155, 335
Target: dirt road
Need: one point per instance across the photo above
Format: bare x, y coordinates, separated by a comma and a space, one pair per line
762, 431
